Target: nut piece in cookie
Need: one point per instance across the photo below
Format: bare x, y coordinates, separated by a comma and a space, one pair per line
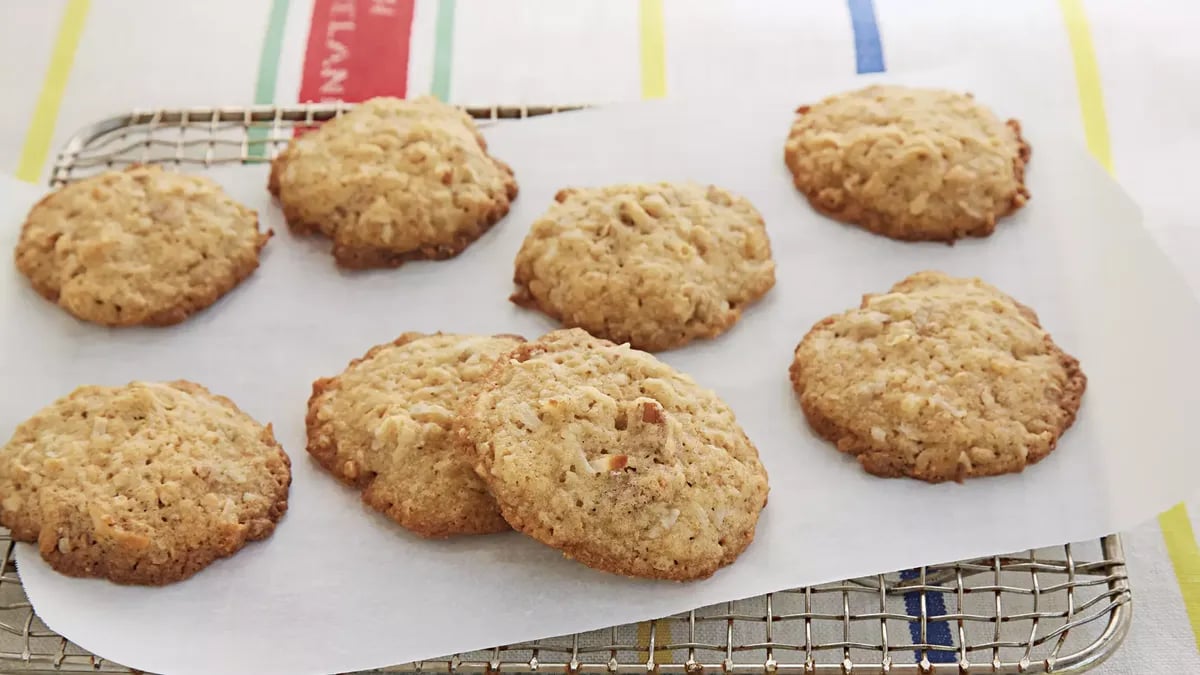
383, 426
146, 483
138, 246
655, 265
908, 163
392, 181
939, 379
615, 458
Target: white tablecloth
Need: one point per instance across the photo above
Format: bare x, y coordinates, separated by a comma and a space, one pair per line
1127, 73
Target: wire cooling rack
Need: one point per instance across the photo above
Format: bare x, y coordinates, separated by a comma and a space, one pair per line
1062, 609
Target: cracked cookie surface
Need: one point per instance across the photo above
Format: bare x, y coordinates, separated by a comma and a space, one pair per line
656, 265
615, 458
909, 163
940, 378
391, 181
138, 246
146, 483
383, 426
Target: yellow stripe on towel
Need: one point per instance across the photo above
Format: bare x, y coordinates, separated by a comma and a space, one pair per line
662, 637
1087, 79
1176, 526
45, 113
652, 31
1185, 558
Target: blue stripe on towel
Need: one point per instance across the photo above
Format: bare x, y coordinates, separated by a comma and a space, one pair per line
868, 51
868, 57
936, 632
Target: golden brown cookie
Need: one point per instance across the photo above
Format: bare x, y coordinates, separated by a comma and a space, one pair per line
393, 181
145, 483
655, 265
939, 379
138, 246
908, 163
615, 458
383, 426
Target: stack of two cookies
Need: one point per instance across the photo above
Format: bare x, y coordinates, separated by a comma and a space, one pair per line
596, 449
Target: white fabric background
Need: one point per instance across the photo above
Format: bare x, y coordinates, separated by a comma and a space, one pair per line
141, 53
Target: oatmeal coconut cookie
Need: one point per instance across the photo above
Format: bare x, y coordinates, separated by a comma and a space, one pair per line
146, 483
383, 426
655, 265
939, 379
392, 181
908, 163
615, 458
138, 246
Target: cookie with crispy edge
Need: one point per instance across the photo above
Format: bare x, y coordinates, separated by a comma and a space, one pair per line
146, 483
138, 246
615, 458
393, 181
656, 265
939, 379
383, 427
909, 163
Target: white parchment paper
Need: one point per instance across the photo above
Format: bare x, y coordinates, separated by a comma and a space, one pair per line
340, 588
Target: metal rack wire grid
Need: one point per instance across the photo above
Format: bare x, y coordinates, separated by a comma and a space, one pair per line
1062, 609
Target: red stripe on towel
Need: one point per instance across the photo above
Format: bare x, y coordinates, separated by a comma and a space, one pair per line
357, 49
